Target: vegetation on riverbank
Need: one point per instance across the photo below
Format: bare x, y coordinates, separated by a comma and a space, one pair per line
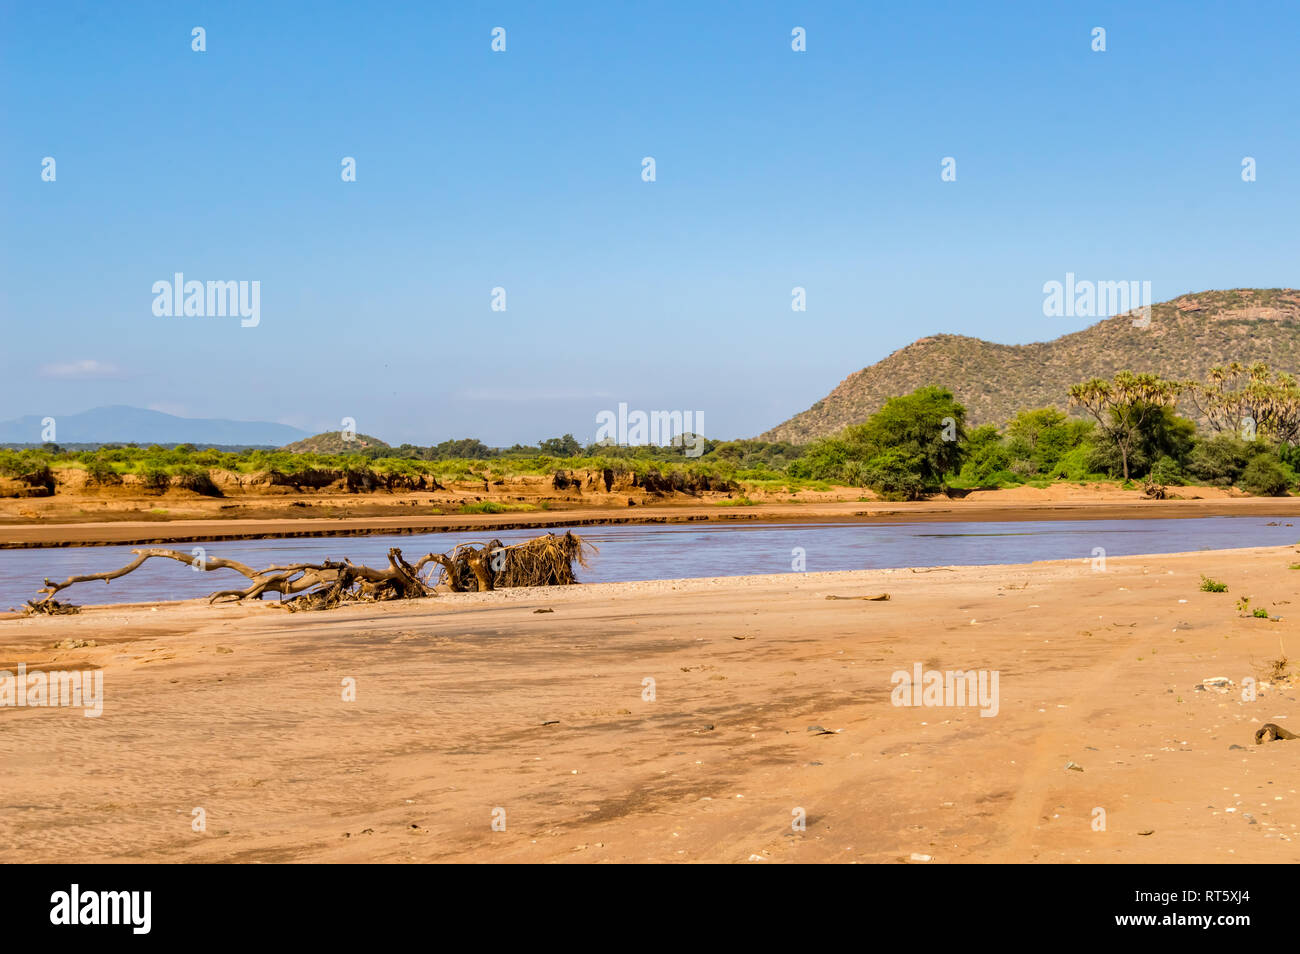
1248, 437
1128, 428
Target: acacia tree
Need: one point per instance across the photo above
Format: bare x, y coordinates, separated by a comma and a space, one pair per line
566, 446
1236, 399
1282, 405
1125, 406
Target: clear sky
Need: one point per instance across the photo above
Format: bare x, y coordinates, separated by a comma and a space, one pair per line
523, 169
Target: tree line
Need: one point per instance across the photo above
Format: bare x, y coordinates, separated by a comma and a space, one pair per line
1127, 427
1238, 427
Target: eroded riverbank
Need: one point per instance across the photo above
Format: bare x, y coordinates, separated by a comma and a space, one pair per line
1021, 506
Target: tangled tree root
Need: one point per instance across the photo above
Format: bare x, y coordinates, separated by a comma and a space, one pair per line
542, 561
50, 607
1154, 491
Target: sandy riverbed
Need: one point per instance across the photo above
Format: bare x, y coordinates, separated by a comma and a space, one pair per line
238, 710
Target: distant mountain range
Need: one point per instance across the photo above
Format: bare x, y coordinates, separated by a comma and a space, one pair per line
122, 424
1186, 336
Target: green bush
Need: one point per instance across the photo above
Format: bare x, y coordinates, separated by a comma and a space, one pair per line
1163, 434
926, 427
1043, 436
985, 462
855, 473
1265, 476
30, 466
1289, 454
822, 460
1167, 471
153, 474
100, 471
1220, 460
896, 476
1073, 464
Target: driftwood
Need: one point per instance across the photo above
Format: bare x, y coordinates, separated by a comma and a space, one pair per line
542, 561
1154, 491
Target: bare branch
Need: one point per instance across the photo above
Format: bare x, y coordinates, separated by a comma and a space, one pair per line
543, 561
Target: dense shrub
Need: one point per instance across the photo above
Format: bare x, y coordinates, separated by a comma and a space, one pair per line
1168, 471
756, 455
153, 475
924, 431
26, 465
1073, 464
986, 457
926, 427
1162, 434
1220, 460
1042, 437
1265, 476
1103, 457
1289, 454
823, 459
100, 471
896, 476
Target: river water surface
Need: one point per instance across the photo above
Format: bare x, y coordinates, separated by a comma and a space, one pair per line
663, 551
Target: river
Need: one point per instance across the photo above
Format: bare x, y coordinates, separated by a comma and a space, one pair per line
665, 551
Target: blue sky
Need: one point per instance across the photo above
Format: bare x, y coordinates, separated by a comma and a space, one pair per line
522, 169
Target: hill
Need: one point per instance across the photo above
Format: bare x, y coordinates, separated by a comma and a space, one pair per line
1186, 336
122, 424
332, 442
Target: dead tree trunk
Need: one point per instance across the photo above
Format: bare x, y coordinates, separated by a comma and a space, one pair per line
543, 561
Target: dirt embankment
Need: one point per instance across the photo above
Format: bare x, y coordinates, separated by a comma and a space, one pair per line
216, 482
69, 494
122, 517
